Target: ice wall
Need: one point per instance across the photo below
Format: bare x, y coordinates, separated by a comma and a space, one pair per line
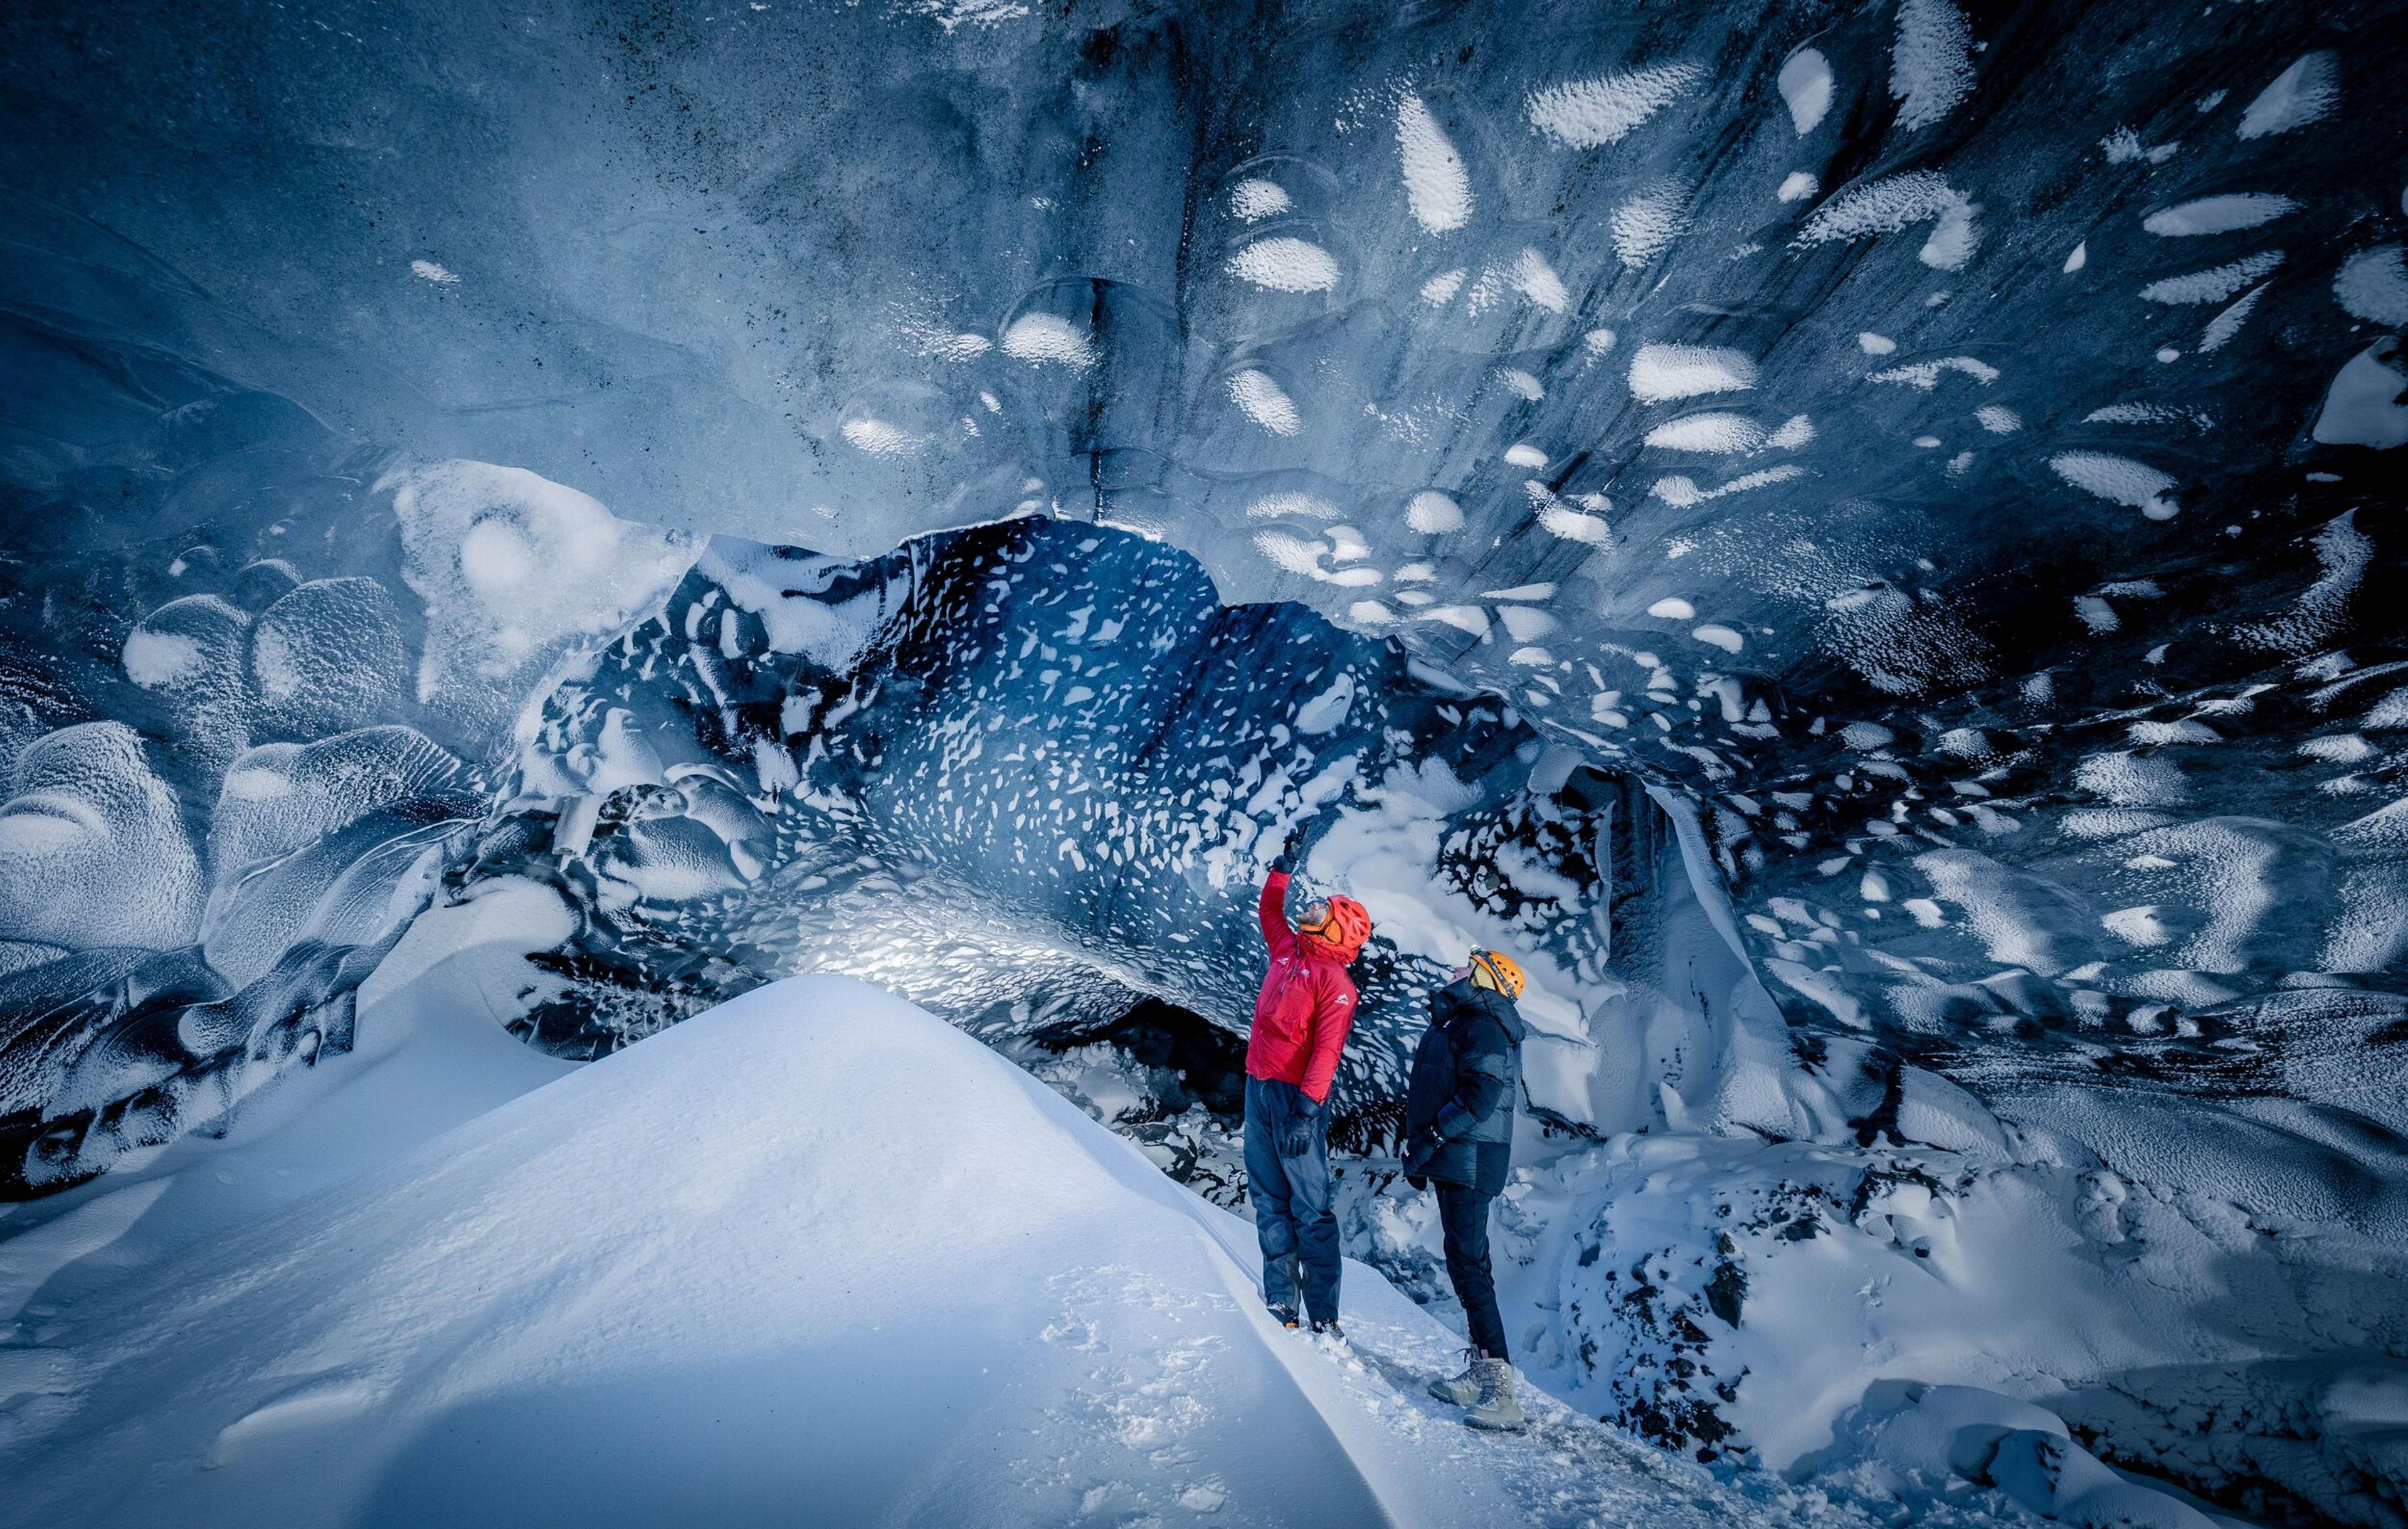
1947, 440
1939, 449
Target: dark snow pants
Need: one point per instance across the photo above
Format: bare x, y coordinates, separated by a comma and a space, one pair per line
1463, 1216
1293, 1219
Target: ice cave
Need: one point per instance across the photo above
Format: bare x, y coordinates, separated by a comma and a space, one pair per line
654, 654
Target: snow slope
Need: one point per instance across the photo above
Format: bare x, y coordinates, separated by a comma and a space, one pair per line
814, 1257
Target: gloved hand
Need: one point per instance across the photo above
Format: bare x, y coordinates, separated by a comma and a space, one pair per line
1284, 861
1295, 1137
1418, 1183
1420, 1151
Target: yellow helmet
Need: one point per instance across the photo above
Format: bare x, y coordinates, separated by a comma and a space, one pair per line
1496, 969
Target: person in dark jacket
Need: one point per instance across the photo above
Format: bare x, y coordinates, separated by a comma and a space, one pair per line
1459, 1104
1306, 1007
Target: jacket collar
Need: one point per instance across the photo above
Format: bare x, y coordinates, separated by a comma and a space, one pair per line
1467, 996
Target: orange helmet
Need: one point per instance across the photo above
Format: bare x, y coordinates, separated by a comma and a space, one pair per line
1341, 923
1500, 971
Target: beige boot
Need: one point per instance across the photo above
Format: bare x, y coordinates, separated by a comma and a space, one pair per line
1463, 1389
1495, 1407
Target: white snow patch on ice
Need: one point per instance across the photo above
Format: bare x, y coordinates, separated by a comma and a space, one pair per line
1659, 374
1587, 113
2318, 616
1255, 200
1440, 289
154, 659
2118, 479
2303, 94
1284, 263
2123, 147
1436, 187
875, 437
2218, 214
1716, 434
1265, 402
2214, 284
1433, 513
1291, 503
1041, 338
1535, 278
2221, 329
1931, 64
1648, 223
1805, 83
2362, 408
1586, 525
1894, 203
1924, 376
2372, 284
1682, 491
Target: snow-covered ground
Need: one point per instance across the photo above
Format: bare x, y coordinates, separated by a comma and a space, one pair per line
814, 1257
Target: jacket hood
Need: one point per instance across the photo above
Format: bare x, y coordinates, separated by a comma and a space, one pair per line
1464, 994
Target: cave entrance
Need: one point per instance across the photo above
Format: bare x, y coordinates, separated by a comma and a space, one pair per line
1164, 1076
1185, 1058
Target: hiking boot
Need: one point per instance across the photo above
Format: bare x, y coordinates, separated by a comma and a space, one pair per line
1329, 1330
1495, 1407
1462, 1390
1285, 1316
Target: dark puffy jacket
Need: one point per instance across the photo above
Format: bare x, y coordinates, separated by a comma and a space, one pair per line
1467, 1082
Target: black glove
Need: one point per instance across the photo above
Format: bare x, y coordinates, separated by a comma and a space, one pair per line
1284, 861
1420, 1151
1295, 1137
1417, 1182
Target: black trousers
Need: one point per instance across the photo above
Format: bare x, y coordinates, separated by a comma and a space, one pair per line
1463, 1216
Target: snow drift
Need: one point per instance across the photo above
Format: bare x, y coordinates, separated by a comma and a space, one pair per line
814, 1257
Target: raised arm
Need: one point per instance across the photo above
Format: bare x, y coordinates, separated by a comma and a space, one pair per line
1272, 910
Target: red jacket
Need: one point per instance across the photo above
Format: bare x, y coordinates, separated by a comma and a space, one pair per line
1306, 1007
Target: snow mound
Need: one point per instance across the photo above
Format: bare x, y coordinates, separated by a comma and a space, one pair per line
815, 1254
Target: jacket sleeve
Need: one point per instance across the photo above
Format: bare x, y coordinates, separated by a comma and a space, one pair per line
1272, 910
1480, 1069
1333, 1015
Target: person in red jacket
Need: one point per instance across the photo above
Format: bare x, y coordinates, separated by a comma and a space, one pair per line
1302, 1019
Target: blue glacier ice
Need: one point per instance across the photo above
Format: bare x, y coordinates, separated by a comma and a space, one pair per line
1851, 539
